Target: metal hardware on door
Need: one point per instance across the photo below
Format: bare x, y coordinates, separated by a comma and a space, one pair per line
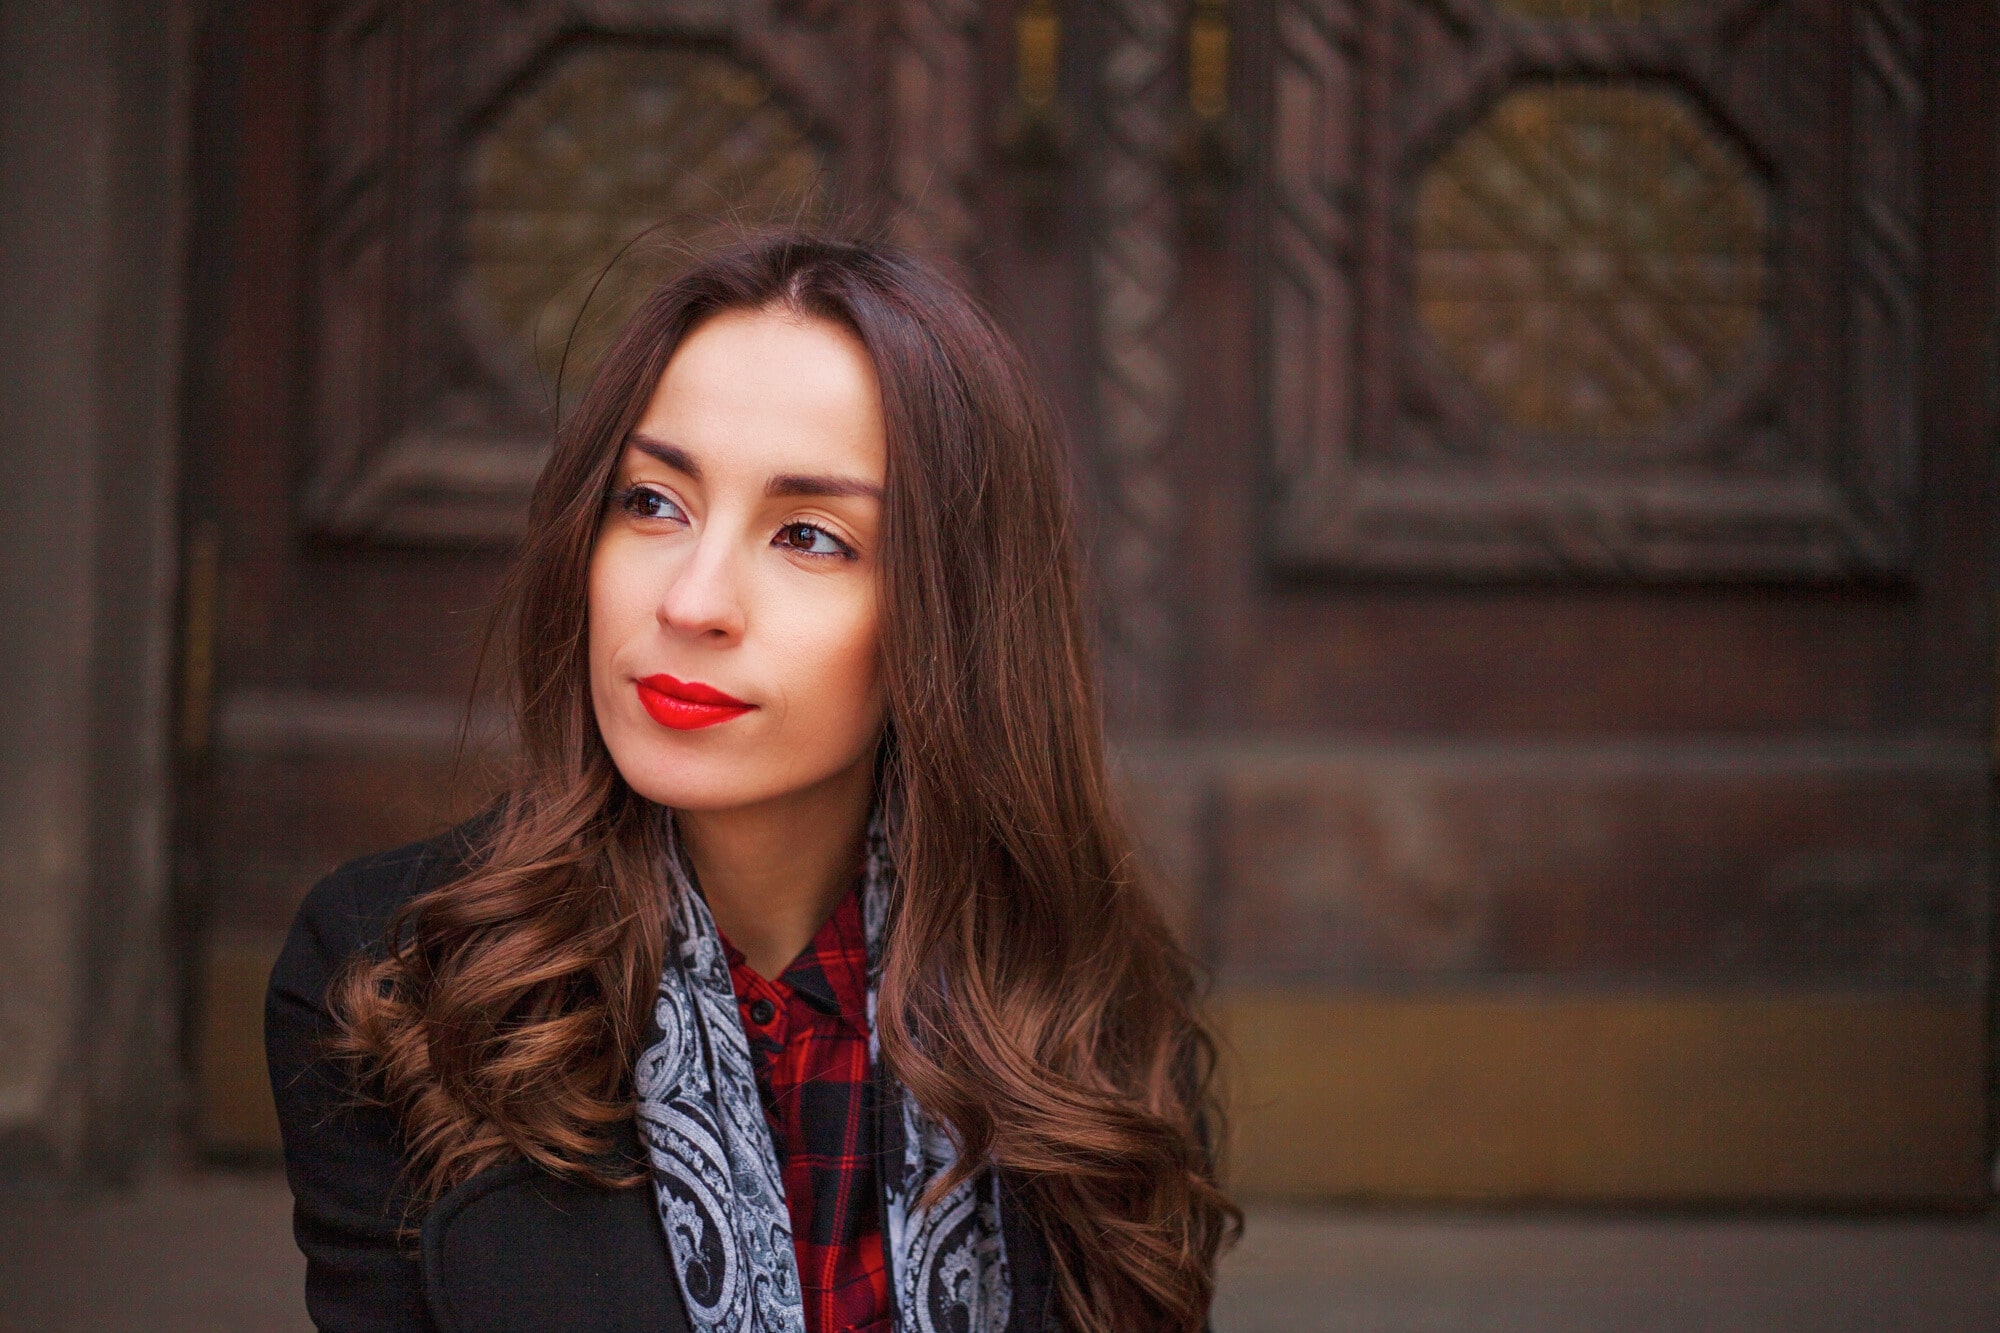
1034, 137
1207, 156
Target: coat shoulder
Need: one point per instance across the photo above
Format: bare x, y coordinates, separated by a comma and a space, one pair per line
350, 908
343, 1150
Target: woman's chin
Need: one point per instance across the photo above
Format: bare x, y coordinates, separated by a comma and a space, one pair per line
689, 791
734, 780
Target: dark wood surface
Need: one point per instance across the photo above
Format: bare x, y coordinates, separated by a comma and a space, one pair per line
1377, 767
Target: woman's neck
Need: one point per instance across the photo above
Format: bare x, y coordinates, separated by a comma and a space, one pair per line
773, 872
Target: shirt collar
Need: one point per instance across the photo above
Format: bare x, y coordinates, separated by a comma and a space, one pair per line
831, 974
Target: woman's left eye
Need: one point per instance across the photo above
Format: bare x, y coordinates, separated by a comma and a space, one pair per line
811, 539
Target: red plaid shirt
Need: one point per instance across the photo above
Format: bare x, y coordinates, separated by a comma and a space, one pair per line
808, 1035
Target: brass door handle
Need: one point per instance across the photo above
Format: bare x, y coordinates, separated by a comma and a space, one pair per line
1034, 134
1207, 156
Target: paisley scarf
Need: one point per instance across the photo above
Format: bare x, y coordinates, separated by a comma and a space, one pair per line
715, 1168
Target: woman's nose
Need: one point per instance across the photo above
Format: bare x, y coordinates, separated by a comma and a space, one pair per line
703, 595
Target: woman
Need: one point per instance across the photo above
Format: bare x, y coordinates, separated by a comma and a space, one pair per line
802, 980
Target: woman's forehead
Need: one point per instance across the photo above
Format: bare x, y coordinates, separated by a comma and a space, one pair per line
769, 392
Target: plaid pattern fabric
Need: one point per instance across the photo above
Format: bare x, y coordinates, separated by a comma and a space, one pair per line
808, 1035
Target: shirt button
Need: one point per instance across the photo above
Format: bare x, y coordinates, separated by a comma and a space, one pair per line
762, 1012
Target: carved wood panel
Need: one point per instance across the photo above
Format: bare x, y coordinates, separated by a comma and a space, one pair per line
1135, 266
1592, 288
481, 162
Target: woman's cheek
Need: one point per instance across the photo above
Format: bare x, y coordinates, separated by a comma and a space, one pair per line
620, 604
833, 671
861, 678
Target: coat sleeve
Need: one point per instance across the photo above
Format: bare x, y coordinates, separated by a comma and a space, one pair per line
342, 1158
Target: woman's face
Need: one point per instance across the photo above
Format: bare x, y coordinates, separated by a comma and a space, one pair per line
737, 561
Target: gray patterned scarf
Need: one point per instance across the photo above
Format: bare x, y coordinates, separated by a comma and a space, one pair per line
715, 1167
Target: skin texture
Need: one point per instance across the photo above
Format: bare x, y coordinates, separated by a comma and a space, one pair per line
701, 573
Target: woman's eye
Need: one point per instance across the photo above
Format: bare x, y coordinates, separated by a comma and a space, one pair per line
644, 502
811, 539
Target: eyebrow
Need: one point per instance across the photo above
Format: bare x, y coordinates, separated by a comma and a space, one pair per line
781, 484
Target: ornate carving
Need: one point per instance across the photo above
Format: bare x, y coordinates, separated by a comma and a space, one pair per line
1592, 9
1135, 266
935, 84
1883, 335
1415, 427
432, 256
1592, 257
1312, 246
612, 140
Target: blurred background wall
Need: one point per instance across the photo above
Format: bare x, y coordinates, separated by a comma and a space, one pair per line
1539, 459
93, 152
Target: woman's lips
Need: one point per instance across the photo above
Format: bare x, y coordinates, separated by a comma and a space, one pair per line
687, 704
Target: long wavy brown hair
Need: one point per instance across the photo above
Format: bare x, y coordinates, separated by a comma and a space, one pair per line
1031, 997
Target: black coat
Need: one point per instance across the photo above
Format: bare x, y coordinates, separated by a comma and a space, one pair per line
513, 1248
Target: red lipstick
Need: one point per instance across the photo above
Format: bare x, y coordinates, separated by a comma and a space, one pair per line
687, 704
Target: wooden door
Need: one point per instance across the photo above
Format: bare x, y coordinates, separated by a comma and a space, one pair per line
1578, 590
1538, 462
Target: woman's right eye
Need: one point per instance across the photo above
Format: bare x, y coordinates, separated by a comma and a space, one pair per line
645, 502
